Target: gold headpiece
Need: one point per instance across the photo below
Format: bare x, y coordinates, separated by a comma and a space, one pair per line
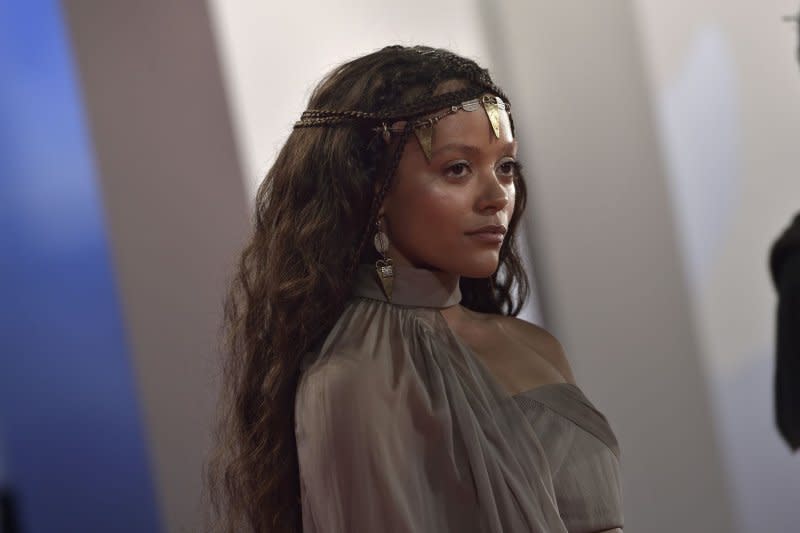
423, 128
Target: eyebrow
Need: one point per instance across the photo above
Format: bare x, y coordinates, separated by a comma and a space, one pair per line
467, 147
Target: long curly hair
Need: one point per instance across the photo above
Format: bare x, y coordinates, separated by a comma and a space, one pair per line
314, 212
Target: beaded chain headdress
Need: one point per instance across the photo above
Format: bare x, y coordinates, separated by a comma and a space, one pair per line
420, 117
422, 128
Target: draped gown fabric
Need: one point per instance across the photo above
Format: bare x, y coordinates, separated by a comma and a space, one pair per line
400, 427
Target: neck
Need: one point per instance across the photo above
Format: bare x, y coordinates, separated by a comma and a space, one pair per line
449, 280
412, 286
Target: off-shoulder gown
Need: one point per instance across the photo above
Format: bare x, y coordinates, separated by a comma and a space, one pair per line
401, 428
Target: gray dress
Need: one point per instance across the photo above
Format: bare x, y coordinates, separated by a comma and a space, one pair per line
401, 428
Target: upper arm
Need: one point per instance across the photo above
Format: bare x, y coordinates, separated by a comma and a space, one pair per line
370, 453
347, 459
546, 345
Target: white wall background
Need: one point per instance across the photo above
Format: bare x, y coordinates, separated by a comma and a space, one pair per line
726, 85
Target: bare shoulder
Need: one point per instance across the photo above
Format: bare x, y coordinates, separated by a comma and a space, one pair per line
541, 341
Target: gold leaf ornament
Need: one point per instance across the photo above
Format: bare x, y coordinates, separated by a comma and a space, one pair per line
424, 135
492, 108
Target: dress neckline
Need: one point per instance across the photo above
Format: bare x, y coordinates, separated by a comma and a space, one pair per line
413, 287
421, 287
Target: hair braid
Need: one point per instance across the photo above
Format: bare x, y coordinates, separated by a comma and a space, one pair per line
392, 168
377, 200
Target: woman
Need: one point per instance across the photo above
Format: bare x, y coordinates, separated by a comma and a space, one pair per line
378, 379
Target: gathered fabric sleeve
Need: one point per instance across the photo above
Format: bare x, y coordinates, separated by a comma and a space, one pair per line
374, 456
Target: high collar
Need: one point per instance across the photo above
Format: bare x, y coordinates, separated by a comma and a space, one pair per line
413, 287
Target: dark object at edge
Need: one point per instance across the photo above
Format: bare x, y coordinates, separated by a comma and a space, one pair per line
8, 522
784, 265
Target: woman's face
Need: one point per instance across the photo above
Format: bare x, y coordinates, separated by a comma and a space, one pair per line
433, 208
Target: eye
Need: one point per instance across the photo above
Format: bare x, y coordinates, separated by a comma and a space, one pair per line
509, 168
458, 170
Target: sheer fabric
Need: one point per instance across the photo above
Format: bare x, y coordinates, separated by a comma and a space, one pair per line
583, 455
401, 428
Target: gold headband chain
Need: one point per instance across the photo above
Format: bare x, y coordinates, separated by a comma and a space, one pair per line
423, 128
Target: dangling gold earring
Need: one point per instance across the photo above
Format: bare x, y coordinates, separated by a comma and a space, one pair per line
383, 267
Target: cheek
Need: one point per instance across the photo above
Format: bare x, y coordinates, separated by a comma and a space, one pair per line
438, 210
431, 215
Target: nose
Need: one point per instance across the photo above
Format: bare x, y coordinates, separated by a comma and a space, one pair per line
494, 194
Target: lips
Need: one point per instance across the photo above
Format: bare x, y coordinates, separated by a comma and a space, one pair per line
492, 228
